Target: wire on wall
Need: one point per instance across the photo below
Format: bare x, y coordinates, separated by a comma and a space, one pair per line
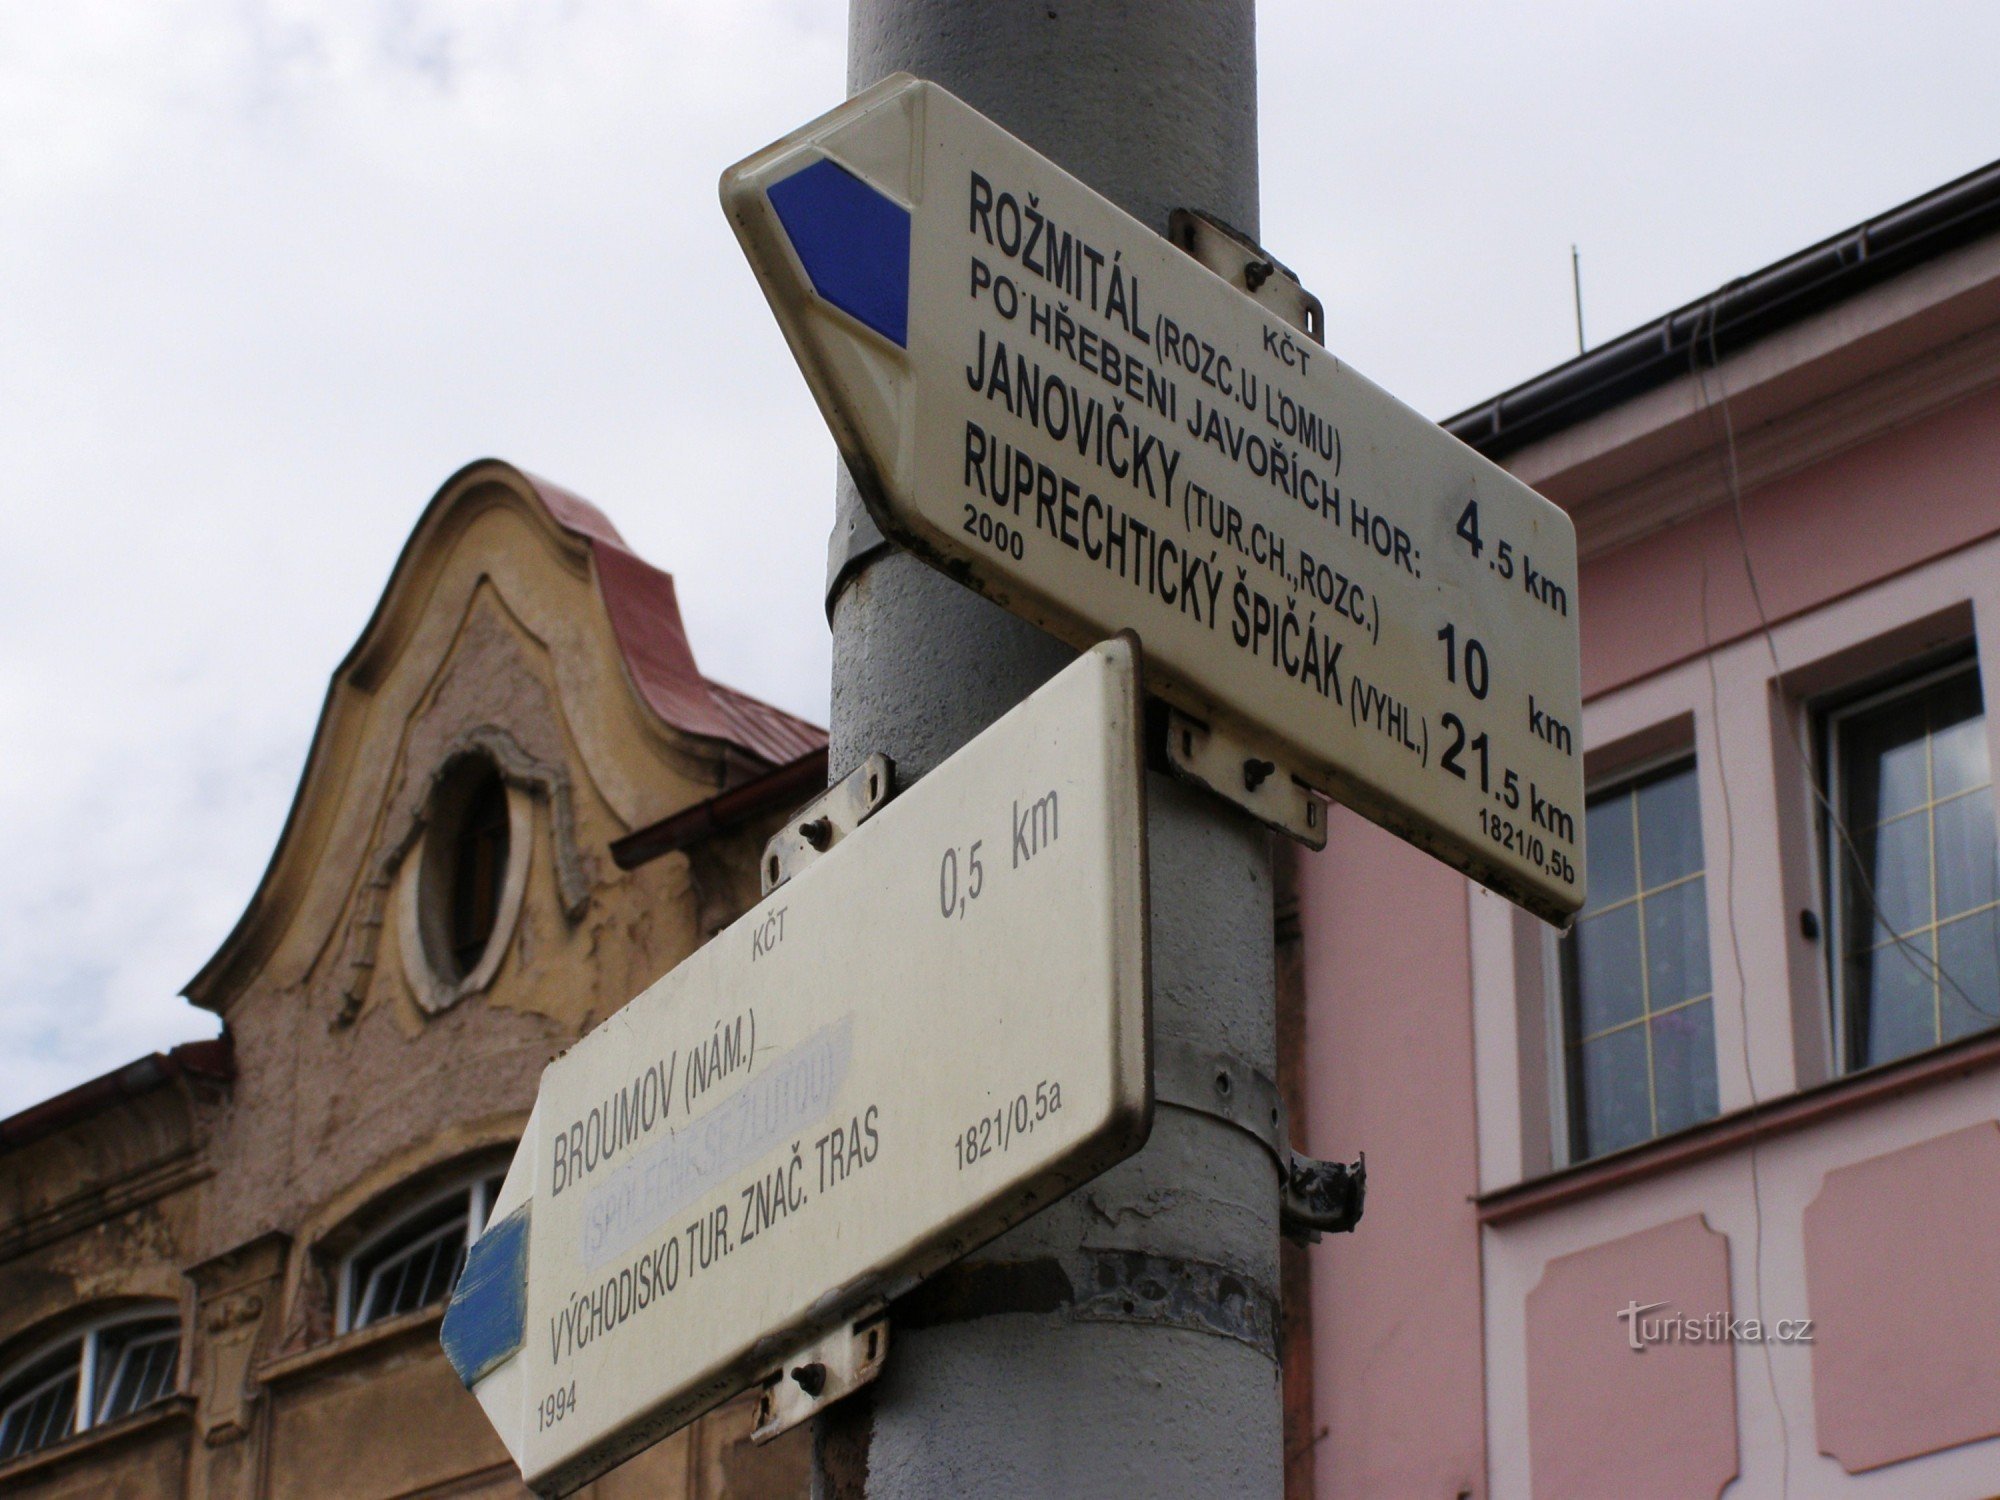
1732, 477
1931, 968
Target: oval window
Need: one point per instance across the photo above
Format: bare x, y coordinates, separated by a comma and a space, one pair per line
465, 854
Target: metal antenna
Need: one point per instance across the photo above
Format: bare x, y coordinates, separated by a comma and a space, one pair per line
1576, 282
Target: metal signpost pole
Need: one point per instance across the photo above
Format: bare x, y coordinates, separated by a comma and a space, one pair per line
1124, 1341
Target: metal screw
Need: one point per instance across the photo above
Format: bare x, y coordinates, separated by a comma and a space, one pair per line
1255, 772
818, 833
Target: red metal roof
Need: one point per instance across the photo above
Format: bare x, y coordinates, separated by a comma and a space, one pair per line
646, 618
652, 644
646, 621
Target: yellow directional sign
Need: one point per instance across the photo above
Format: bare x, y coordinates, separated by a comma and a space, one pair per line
1049, 401
931, 1031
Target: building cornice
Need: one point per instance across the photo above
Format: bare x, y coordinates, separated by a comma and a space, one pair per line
1800, 288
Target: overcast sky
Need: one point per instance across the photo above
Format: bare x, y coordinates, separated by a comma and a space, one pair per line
270, 270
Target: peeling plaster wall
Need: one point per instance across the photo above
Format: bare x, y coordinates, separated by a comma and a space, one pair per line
351, 1098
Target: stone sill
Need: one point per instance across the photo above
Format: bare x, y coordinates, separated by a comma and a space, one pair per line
351, 1346
1735, 1131
174, 1411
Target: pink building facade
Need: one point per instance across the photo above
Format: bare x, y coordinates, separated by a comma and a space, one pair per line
1761, 1078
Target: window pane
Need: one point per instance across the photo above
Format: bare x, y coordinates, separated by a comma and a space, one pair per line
1634, 1072
489, 1192
1669, 829
1614, 862
1958, 744
1897, 1003
412, 1266
1684, 1066
1611, 1077
479, 864
136, 1365
1969, 952
441, 1271
59, 1408
1917, 802
1610, 990
1677, 944
38, 1405
1899, 876
1965, 854
47, 1417
385, 1290
1887, 751
414, 1276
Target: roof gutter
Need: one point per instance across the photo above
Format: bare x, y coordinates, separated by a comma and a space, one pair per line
211, 1061
1736, 314
791, 784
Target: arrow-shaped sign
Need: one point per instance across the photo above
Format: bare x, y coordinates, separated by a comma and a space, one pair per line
934, 1029
1052, 403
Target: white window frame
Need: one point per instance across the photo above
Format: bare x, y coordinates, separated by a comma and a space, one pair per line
420, 886
1755, 729
1555, 1046
478, 1190
1834, 847
89, 1337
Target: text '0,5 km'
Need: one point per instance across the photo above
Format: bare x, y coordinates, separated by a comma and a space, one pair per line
1040, 395
743, 1159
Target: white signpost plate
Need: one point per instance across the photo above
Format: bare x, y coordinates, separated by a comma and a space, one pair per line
924, 1036
1055, 405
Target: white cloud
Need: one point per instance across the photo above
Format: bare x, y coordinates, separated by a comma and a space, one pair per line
273, 273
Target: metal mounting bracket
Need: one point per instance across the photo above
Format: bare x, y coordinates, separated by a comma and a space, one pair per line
1321, 1197
1249, 267
1218, 1084
1314, 1197
827, 819
1238, 772
819, 1375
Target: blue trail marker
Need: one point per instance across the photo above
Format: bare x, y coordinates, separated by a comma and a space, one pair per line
854, 243
489, 1309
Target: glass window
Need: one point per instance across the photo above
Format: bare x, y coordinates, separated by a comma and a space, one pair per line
1638, 1005
40, 1403
135, 1365
127, 1364
478, 867
1915, 920
415, 1262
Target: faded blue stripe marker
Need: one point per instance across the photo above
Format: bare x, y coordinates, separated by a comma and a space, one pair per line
854, 243
488, 1317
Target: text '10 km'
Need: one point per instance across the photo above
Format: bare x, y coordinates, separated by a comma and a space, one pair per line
1043, 397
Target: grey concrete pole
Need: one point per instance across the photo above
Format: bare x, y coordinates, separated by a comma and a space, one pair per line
1123, 1342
